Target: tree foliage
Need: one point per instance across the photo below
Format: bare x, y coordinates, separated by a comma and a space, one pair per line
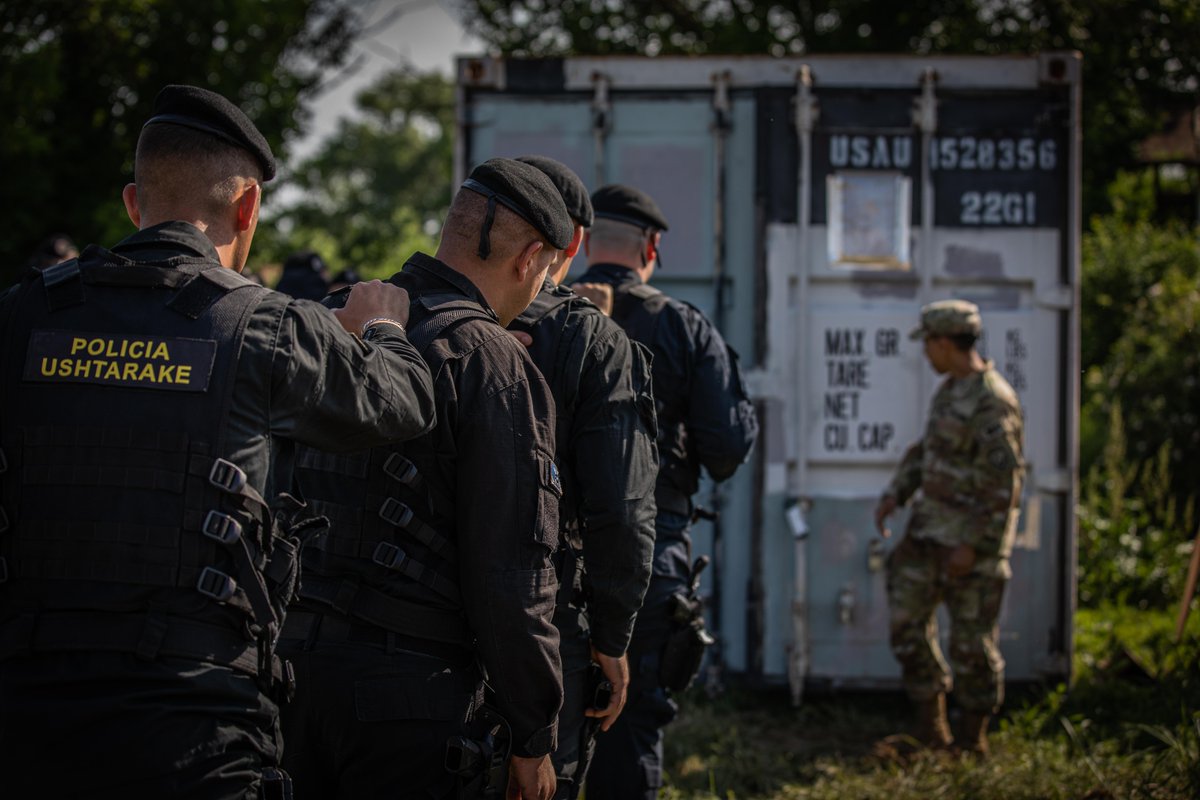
1140, 415
1141, 60
80, 76
379, 187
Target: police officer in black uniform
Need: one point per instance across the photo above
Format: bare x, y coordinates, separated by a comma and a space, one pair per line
607, 462
704, 418
439, 554
150, 402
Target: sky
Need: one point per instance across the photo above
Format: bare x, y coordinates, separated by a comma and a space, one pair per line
424, 33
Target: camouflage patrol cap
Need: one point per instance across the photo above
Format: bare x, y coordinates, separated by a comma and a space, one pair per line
948, 318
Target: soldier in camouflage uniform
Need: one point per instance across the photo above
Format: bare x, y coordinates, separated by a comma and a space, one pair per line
968, 469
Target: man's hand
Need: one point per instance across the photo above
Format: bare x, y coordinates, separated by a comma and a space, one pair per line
887, 504
530, 779
616, 670
599, 293
371, 299
961, 561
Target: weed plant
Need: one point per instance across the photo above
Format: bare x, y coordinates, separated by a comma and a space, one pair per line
1128, 728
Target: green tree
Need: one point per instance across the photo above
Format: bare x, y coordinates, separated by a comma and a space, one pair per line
1141, 60
378, 188
80, 76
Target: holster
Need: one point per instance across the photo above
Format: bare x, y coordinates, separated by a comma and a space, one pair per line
686, 643
480, 759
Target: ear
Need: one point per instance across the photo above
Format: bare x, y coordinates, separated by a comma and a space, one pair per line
129, 195
652, 246
527, 261
247, 207
576, 243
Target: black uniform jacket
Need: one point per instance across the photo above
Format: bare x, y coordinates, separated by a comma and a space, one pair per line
301, 377
704, 414
497, 489
606, 452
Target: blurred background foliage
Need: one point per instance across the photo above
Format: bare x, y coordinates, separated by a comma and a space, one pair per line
79, 77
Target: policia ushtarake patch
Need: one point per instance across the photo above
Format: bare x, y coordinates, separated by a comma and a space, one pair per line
142, 362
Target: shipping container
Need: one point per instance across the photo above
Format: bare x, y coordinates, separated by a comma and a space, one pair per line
815, 205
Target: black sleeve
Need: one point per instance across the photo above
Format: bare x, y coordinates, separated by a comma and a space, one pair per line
613, 456
507, 527
333, 391
720, 419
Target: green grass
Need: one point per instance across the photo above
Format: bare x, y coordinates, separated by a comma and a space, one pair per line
1128, 728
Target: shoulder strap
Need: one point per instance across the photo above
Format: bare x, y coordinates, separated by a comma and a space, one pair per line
205, 288
445, 310
64, 285
643, 291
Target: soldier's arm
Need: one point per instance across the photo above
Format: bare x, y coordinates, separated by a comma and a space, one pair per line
720, 419
908, 474
997, 472
333, 391
507, 528
613, 455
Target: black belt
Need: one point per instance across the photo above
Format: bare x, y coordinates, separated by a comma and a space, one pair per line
149, 636
318, 626
355, 599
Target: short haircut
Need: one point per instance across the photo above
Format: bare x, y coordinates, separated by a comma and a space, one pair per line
181, 167
617, 237
509, 235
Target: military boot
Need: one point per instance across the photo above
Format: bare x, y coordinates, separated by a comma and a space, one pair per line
974, 734
933, 729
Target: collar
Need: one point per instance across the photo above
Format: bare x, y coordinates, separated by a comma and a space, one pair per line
172, 238
613, 273
435, 272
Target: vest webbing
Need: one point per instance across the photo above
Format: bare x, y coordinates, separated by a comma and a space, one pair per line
116, 495
551, 352
381, 561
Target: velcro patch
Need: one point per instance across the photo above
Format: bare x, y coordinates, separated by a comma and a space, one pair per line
551, 479
141, 362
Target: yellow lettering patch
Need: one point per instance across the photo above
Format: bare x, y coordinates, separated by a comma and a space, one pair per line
140, 362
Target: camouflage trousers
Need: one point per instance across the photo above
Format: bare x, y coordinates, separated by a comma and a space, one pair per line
917, 583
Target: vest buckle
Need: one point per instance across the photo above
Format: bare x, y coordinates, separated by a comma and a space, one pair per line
400, 468
222, 527
227, 476
288, 679
216, 584
389, 555
395, 512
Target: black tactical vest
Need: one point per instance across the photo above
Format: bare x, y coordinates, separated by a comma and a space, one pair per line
638, 308
123, 528
558, 354
381, 561
551, 352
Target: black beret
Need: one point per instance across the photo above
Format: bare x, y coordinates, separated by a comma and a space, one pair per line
573, 192
528, 193
209, 112
627, 204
